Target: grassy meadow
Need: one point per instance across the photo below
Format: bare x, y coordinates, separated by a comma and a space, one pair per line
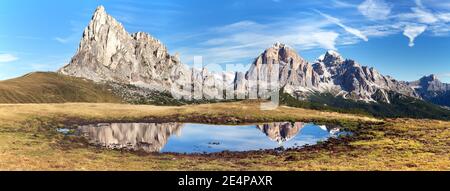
29, 141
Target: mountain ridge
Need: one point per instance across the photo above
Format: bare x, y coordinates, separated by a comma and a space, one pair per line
329, 74
107, 52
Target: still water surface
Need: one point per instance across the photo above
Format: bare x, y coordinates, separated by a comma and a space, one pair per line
203, 138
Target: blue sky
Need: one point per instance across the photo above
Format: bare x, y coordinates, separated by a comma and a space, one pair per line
402, 38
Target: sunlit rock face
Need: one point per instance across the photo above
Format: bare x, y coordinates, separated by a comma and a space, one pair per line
281, 132
281, 63
148, 137
108, 53
353, 81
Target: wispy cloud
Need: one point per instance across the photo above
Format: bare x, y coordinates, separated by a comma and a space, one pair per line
375, 9
415, 21
342, 4
350, 30
7, 58
241, 25
419, 14
382, 30
379, 18
62, 40
445, 17
421, 19
246, 39
412, 31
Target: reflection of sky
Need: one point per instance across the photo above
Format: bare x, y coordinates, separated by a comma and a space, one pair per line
196, 138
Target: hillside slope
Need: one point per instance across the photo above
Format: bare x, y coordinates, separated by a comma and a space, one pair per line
48, 87
400, 106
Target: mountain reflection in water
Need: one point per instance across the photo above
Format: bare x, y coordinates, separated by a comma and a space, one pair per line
199, 138
148, 137
281, 132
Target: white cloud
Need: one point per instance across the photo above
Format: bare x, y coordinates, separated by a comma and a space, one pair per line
412, 23
350, 30
413, 31
326, 40
424, 16
382, 30
375, 9
419, 14
445, 17
239, 42
439, 30
241, 25
62, 40
7, 58
342, 4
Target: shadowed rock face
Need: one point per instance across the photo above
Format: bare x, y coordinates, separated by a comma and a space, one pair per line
432, 90
281, 132
148, 137
430, 84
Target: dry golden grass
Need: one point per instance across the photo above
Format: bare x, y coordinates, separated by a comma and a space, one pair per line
49, 87
104, 111
28, 140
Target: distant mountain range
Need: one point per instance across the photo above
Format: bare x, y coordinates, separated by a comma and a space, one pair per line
107, 53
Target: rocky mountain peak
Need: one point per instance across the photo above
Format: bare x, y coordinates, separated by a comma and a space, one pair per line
354, 81
432, 89
429, 78
279, 53
331, 58
100, 11
100, 16
107, 52
281, 132
279, 45
101, 19
431, 83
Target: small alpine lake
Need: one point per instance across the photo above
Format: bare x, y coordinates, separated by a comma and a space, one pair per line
203, 138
